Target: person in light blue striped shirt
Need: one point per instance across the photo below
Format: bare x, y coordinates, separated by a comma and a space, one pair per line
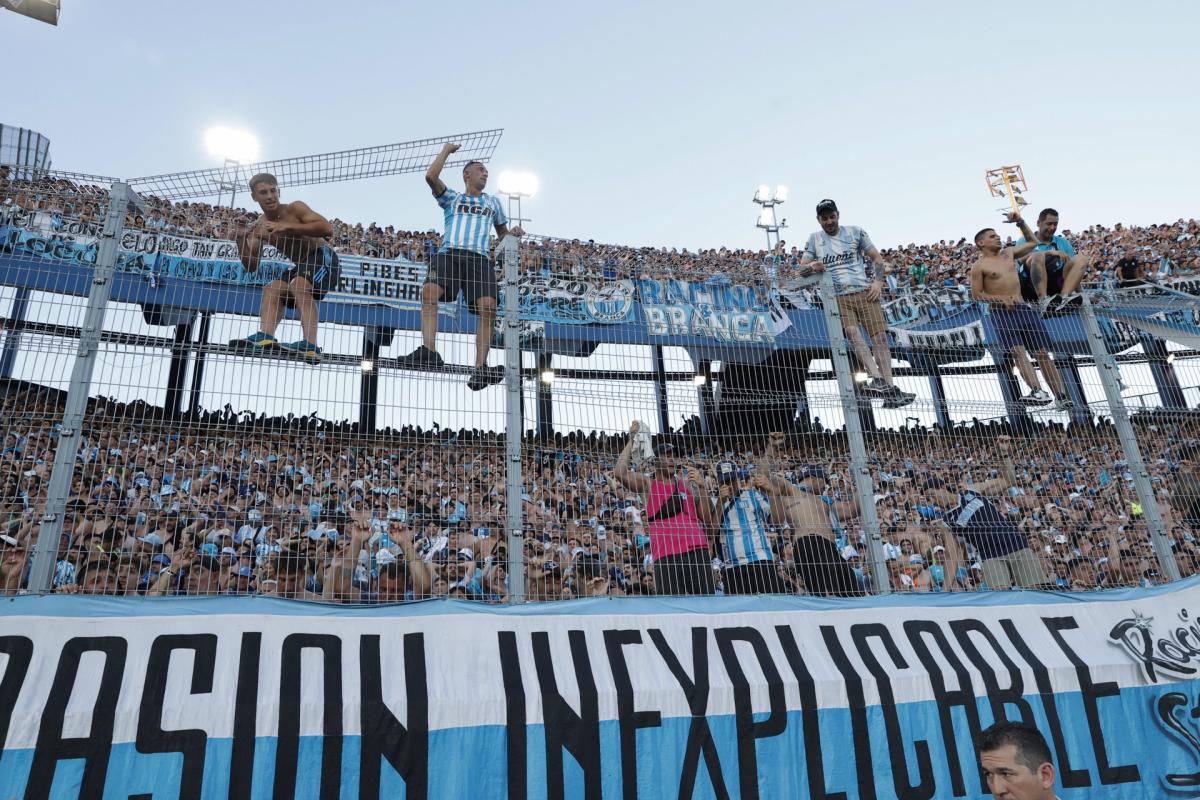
462, 265
750, 564
844, 250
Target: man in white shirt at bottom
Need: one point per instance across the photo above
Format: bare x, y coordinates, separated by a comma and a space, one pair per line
1016, 762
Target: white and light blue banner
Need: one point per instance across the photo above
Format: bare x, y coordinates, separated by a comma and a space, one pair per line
650, 698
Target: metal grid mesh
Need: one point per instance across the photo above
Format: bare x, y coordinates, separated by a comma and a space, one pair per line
345, 165
190, 446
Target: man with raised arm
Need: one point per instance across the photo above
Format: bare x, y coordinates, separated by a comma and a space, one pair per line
1002, 549
1019, 328
298, 233
679, 519
462, 264
844, 251
1052, 273
815, 519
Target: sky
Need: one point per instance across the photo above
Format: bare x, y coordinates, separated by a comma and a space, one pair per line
647, 124
650, 123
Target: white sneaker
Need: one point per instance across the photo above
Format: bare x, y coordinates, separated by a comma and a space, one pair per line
1064, 404
1038, 397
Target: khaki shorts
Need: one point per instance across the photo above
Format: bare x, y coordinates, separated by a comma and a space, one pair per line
1022, 568
857, 308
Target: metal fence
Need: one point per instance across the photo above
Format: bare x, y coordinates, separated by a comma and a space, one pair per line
755, 467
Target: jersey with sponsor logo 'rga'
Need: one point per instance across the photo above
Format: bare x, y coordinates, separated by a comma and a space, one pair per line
843, 255
469, 220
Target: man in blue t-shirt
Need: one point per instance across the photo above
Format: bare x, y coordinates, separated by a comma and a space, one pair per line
1006, 558
462, 265
844, 250
1051, 274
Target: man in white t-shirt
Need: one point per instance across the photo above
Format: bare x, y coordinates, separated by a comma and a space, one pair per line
843, 250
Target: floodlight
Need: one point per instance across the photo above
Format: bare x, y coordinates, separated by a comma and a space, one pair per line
781, 194
763, 194
766, 217
367, 365
699, 379
1170, 358
517, 184
860, 377
232, 144
547, 376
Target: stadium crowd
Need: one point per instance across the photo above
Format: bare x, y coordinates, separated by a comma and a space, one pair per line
228, 504
1167, 249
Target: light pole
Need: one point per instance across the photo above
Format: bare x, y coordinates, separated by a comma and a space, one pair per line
767, 219
235, 147
1009, 183
516, 186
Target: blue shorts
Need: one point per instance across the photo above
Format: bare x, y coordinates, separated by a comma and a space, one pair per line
320, 269
1022, 326
1055, 275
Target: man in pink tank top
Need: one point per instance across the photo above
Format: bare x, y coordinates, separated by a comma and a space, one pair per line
679, 520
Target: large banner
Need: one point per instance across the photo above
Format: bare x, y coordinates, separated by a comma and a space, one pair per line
653, 698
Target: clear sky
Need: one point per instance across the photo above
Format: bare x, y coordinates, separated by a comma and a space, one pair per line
649, 123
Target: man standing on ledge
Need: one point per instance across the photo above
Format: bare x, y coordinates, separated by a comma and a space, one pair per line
840, 249
1015, 760
462, 264
297, 232
995, 281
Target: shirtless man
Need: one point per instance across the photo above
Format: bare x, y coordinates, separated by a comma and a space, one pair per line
813, 517
297, 232
995, 280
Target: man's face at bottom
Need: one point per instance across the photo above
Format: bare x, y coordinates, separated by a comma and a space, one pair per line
1009, 779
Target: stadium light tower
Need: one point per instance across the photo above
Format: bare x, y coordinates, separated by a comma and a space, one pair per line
767, 219
516, 186
1009, 183
236, 147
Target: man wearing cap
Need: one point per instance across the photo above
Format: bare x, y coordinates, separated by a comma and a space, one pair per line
678, 521
815, 521
750, 565
841, 250
1007, 559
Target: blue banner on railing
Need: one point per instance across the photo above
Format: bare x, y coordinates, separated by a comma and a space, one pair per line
658, 698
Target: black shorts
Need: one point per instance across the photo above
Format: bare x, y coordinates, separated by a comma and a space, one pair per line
758, 578
320, 269
1022, 326
1055, 269
464, 271
822, 568
685, 573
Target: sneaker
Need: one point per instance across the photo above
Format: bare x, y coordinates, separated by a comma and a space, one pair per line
898, 398
305, 348
877, 388
1064, 404
485, 376
1038, 397
1067, 305
1044, 304
421, 359
254, 340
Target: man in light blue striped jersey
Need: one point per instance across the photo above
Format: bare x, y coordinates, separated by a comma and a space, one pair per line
841, 250
750, 564
462, 265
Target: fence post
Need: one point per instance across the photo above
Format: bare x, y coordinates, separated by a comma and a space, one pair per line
864, 487
1106, 366
45, 552
514, 428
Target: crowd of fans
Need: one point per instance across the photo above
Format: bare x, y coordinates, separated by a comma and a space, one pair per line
227, 504
1167, 249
